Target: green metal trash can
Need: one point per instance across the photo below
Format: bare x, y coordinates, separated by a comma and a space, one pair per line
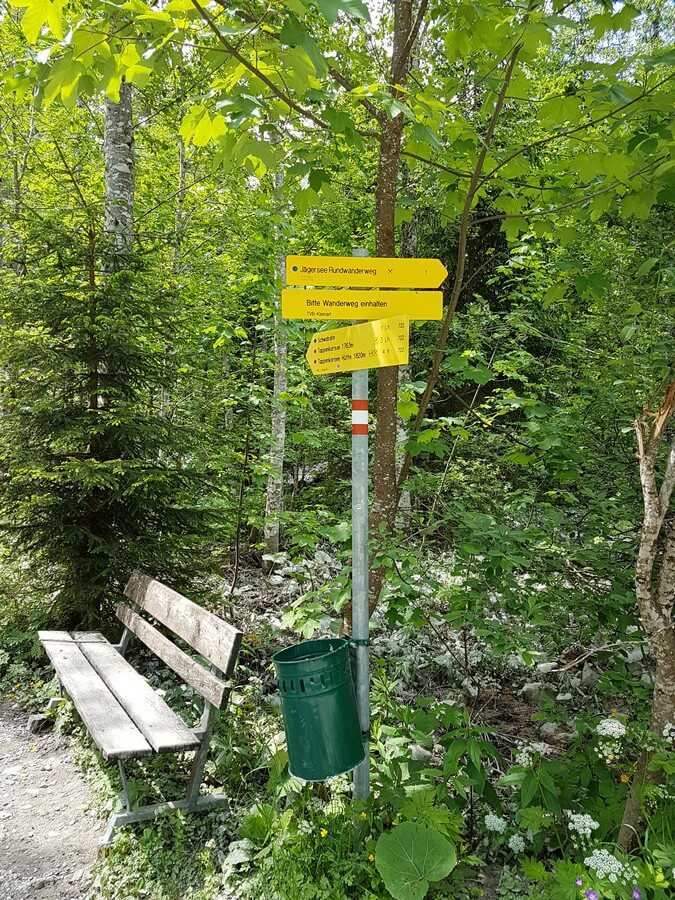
319, 706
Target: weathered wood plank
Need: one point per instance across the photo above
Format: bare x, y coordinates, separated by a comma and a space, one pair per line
70, 637
215, 639
55, 636
110, 727
201, 679
162, 728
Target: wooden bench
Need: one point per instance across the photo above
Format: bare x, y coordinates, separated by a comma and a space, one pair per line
125, 717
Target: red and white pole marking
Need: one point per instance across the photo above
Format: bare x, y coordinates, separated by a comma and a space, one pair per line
359, 417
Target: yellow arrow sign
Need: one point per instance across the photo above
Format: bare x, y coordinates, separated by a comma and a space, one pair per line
351, 271
319, 304
372, 345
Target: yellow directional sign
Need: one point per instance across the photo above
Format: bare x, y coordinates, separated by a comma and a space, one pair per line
368, 346
365, 272
320, 304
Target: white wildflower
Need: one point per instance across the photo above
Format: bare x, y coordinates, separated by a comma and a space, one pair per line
339, 785
669, 733
605, 865
304, 827
517, 843
495, 823
581, 824
611, 728
527, 753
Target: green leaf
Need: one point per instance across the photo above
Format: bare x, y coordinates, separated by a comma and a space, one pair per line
639, 203
39, 13
208, 129
410, 857
512, 778
339, 533
533, 870
646, 267
528, 789
623, 20
318, 177
294, 34
331, 9
406, 409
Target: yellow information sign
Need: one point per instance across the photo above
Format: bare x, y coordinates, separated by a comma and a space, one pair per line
320, 304
372, 345
365, 272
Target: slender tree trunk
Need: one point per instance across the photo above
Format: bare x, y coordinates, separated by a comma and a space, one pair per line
118, 240
385, 498
92, 343
176, 268
180, 209
409, 251
118, 142
385, 494
274, 498
655, 592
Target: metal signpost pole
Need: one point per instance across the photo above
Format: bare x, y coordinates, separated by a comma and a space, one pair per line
360, 616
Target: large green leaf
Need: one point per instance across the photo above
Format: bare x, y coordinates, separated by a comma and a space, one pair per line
411, 856
331, 8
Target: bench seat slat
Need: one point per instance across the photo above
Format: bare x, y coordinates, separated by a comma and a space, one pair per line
162, 728
197, 676
110, 727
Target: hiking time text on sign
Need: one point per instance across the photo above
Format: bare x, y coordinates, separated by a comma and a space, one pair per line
372, 345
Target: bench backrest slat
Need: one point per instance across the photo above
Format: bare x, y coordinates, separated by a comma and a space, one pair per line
215, 639
193, 673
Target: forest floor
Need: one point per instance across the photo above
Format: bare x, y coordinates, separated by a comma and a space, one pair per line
48, 831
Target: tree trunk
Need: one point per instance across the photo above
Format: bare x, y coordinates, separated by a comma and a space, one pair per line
176, 267
385, 498
118, 240
655, 593
385, 495
409, 251
274, 498
118, 141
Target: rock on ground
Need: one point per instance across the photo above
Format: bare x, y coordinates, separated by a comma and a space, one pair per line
48, 832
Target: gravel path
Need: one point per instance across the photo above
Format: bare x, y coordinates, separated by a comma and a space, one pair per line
48, 832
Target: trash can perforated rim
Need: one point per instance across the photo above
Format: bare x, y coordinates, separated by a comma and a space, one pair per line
323, 650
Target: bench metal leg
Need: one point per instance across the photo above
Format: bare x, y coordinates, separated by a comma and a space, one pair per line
205, 729
125, 790
148, 813
193, 802
55, 702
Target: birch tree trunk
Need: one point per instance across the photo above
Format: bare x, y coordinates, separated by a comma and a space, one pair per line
118, 224
274, 498
176, 268
655, 591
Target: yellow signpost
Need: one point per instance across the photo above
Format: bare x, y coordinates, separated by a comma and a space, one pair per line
320, 304
372, 345
364, 272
